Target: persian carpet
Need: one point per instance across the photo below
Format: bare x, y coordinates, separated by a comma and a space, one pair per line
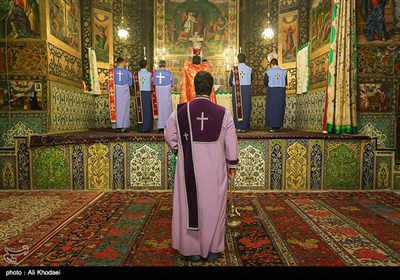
277, 229
27, 219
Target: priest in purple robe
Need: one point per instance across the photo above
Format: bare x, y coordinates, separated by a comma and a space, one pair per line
203, 136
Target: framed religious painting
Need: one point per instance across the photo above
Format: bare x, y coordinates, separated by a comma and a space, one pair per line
209, 25
377, 95
288, 38
64, 24
378, 22
320, 26
103, 37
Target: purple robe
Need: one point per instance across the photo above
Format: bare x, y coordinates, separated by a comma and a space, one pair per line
213, 146
122, 80
164, 81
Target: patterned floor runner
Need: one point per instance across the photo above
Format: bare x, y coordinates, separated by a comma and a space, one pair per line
278, 229
28, 219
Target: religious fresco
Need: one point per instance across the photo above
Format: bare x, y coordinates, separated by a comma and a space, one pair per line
211, 28
288, 38
379, 60
21, 95
375, 27
23, 58
375, 97
19, 19
64, 21
320, 25
102, 37
210, 24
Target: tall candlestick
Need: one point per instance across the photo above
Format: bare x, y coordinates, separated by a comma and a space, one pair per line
144, 52
240, 50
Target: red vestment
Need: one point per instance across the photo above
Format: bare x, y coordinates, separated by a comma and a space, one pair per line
187, 88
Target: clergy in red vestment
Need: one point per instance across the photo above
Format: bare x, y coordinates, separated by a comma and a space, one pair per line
202, 135
190, 69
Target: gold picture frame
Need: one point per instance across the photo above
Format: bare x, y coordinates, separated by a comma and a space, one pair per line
176, 23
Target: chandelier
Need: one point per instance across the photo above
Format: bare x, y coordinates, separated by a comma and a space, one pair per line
123, 32
268, 32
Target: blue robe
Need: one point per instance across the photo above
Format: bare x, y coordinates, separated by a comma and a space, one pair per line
122, 81
246, 78
375, 22
147, 106
275, 79
164, 81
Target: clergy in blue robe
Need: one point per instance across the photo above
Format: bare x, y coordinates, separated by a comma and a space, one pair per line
164, 81
241, 76
275, 79
144, 79
122, 82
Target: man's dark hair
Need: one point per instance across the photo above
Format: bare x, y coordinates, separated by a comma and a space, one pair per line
162, 63
196, 59
274, 61
203, 83
204, 60
120, 59
143, 63
242, 58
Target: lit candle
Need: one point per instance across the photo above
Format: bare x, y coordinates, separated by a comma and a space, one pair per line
240, 49
144, 52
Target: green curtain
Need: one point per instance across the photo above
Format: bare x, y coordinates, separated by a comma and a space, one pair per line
340, 108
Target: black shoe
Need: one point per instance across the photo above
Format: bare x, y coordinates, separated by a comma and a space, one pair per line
119, 130
212, 257
161, 131
195, 258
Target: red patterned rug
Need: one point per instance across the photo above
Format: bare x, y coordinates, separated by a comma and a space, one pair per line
278, 229
28, 219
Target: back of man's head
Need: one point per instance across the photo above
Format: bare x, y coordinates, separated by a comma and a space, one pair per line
162, 63
143, 63
203, 83
120, 60
242, 58
274, 61
196, 59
